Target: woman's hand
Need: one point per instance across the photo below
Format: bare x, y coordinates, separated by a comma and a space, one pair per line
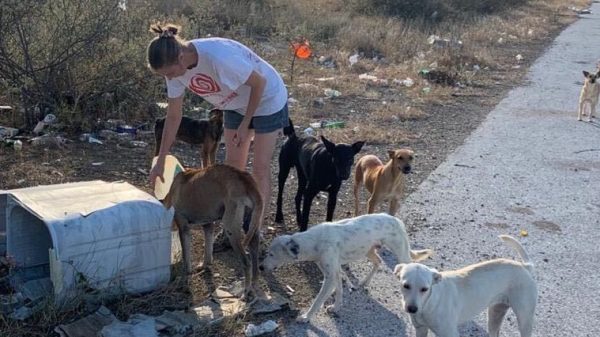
157, 171
241, 133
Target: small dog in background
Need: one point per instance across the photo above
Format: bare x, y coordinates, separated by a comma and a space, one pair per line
382, 181
589, 94
205, 132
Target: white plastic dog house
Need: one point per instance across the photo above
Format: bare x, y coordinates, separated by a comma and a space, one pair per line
94, 234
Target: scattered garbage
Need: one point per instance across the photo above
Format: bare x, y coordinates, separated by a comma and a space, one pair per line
332, 93
439, 42
87, 326
126, 129
139, 143
49, 141
292, 101
407, 82
426, 90
580, 10
108, 134
327, 62
131, 328
500, 41
17, 145
438, 77
98, 163
523, 233
309, 131
325, 79
519, 57
290, 289
353, 59
93, 140
6, 132
367, 77
48, 120
257, 330
333, 125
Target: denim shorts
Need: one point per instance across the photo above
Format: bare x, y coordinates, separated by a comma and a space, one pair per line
260, 124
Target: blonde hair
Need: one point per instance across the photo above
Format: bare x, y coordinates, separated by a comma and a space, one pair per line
165, 48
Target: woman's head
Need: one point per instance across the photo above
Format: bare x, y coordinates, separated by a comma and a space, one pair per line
165, 51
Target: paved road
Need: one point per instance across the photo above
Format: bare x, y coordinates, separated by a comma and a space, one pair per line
530, 165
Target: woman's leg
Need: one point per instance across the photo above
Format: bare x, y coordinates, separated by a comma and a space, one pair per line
264, 147
236, 156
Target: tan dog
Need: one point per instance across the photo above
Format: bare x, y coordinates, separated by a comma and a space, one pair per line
589, 94
382, 181
202, 196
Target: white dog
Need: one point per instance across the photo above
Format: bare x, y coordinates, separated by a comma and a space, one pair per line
334, 244
441, 301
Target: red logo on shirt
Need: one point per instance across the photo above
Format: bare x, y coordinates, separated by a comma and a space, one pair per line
204, 85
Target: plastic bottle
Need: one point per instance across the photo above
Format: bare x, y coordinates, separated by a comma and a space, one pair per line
172, 168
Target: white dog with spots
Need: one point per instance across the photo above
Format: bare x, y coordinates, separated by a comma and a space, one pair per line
441, 301
333, 244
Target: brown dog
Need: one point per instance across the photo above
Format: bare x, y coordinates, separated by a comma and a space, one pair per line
382, 181
202, 196
204, 132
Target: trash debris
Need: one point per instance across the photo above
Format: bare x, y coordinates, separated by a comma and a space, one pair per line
84, 137
523, 233
334, 125
327, 62
88, 326
309, 131
529, 32
290, 289
407, 82
325, 79
271, 303
48, 120
316, 125
426, 90
353, 59
93, 140
367, 77
519, 57
332, 93
49, 141
99, 163
131, 328
439, 42
580, 10
292, 101
500, 41
257, 330
126, 129
139, 143
6, 132
142, 171
17, 145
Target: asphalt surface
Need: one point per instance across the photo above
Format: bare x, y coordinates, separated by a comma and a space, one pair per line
530, 166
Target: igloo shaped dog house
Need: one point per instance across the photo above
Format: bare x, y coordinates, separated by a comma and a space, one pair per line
93, 234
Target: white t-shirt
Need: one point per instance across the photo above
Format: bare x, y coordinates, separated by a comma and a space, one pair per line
223, 67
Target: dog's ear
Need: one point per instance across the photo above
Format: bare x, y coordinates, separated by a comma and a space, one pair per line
328, 145
586, 74
357, 146
391, 153
398, 269
292, 248
437, 277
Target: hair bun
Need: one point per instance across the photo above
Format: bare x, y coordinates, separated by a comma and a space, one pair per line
168, 30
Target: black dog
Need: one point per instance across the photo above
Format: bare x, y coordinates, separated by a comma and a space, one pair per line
206, 132
320, 166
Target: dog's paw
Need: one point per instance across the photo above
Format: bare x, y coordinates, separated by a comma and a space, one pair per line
302, 319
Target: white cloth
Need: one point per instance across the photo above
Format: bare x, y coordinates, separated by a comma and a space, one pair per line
223, 67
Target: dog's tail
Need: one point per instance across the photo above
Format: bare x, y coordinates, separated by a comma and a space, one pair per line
289, 130
516, 245
420, 255
257, 212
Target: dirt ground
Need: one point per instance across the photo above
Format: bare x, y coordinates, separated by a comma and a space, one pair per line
447, 117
